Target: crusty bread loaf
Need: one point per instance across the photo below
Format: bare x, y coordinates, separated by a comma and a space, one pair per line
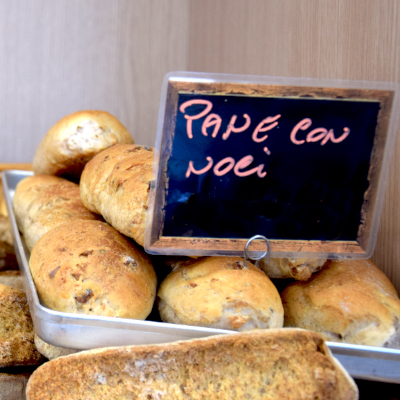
88, 267
116, 184
220, 292
8, 259
74, 140
42, 202
16, 330
259, 365
349, 301
300, 269
49, 351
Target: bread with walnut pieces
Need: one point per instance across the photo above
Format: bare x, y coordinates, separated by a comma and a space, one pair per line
349, 301
300, 269
42, 202
16, 330
89, 268
116, 184
74, 140
258, 365
220, 292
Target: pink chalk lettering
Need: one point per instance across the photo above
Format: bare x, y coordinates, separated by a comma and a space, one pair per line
271, 121
330, 136
190, 118
200, 171
303, 125
266, 149
314, 137
317, 134
217, 169
244, 163
232, 128
211, 120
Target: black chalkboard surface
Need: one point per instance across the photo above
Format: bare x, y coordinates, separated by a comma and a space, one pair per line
299, 165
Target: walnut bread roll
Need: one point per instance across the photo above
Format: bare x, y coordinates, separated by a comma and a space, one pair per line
42, 202
259, 365
88, 267
300, 269
116, 184
219, 292
349, 301
74, 140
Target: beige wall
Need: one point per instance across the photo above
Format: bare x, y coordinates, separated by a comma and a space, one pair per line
61, 56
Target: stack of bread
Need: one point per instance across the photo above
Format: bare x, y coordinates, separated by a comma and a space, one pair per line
18, 353
83, 215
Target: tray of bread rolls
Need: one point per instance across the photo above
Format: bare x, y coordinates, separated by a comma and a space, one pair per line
81, 332
78, 237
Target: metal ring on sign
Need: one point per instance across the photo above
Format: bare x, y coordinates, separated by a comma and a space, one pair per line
266, 253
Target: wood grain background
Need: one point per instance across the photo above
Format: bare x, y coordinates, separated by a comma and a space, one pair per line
60, 56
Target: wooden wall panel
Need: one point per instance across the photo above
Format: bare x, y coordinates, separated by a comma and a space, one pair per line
57, 57
338, 39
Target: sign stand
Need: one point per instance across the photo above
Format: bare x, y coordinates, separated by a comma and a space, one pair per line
260, 256
302, 162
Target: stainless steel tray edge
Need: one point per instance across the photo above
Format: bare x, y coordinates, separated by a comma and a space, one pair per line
85, 332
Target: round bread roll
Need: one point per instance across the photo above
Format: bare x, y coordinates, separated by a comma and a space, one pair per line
74, 140
42, 202
88, 267
349, 301
51, 352
116, 184
300, 269
219, 292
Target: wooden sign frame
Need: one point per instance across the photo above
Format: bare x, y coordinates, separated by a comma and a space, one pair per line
233, 85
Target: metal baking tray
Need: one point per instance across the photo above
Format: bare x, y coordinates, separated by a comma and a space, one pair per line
85, 332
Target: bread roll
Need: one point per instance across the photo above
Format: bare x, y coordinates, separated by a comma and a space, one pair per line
258, 365
116, 184
219, 292
74, 140
300, 269
42, 202
49, 351
8, 259
88, 267
349, 301
16, 330
12, 278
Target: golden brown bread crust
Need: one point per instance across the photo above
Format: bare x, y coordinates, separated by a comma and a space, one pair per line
74, 140
88, 267
261, 364
349, 301
116, 184
220, 292
300, 269
42, 202
16, 330
8, 259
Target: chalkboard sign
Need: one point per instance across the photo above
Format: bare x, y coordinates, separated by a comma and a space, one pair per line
299, 164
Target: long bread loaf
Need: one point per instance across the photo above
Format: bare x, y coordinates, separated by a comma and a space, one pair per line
261, 364
116, 184
42, 202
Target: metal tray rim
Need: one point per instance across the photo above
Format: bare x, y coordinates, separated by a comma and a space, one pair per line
353, 357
